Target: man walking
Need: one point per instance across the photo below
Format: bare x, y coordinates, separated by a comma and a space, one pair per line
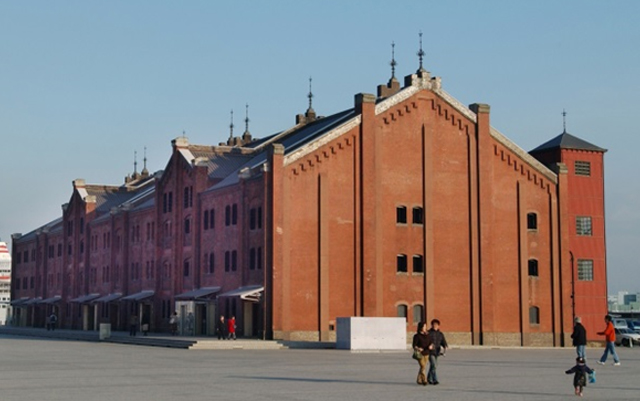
610, 347
579, 337
439, 346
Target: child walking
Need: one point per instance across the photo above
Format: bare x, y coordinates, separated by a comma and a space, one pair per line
580, 371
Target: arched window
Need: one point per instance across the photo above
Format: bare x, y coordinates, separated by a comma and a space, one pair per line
534, 315
418, 215
401, 263
402, 311
418, 264
533, 268
401, 215
418, 313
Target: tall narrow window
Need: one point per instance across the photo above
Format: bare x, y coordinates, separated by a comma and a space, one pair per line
418, 264
418, 215
402, 311
532, 221
401, 215
227, 215
187, 225
206, 220
534, 315
234, 214
212, 218
585, 270
583, 226
186, 268
227, 261
401, 263
212, 265
170, 202
252, 219
533, 268
234, 260
252, 259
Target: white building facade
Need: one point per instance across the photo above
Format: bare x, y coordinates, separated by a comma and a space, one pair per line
5, 284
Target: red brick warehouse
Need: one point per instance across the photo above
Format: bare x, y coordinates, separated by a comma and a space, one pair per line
408, 204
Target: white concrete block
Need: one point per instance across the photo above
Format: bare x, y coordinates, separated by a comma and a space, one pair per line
371, 333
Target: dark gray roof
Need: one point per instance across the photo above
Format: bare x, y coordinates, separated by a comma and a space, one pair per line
53, 226
567, 141
291, 141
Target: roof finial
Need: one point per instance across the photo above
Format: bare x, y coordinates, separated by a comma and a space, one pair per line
231, 126
393, 60
135, 162
564, 121
246, 118
184, 134
310, 95
420, 54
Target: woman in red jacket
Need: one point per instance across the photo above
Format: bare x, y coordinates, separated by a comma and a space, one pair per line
232, 327
610, 337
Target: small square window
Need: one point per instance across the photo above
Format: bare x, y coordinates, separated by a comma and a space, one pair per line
585, 270
582, 168
583, 226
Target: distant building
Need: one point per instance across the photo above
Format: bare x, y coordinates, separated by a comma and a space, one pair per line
5, 284
406, 204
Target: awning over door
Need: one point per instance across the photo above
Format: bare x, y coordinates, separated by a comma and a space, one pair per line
33, 301
19, 302
85, 298
139, 296
51, 300
251, 293
108, 298
200, 293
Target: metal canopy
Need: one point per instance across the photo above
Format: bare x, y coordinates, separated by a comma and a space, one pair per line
108, 298
204, 292
51, 300
139, 296
251, 293
85, 298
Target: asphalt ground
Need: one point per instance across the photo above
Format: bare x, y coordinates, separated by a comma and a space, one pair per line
47, 369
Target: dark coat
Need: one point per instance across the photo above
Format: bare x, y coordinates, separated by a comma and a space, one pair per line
221, 326
438, 340
422, 341
579, 335
580, 374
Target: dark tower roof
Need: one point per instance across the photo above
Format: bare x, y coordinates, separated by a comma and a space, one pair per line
567, 141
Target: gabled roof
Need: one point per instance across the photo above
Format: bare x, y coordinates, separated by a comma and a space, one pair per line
567, 141
291, 139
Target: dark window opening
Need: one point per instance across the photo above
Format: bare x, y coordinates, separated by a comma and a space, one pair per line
401, 215
533, 268
418, 215
402, 263
418, 264
532, 221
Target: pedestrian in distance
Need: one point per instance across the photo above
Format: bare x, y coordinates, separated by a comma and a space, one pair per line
421, 346
439, 347
579, 337
51, 322
232, 328
610, 346
173, 323
221, 328
580, 371
133, 325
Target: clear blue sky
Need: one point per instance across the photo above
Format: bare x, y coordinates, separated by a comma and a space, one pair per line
85, 83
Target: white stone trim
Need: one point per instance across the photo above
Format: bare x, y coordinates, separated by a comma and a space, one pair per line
456, 104
399, 97
323, 140
526, 157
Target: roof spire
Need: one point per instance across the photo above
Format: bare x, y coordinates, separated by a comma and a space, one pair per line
310, 95
564, 121
231, 126
145, 172
246, 118
393, 60
135, 163
420, 54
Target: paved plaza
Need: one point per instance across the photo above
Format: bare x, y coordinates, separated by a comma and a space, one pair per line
49, 369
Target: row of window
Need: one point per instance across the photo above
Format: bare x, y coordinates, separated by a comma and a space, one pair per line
417, 215
418, 313
401, 263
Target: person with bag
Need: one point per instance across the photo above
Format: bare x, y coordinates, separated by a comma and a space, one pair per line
232, 328
421, 346
580, 371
